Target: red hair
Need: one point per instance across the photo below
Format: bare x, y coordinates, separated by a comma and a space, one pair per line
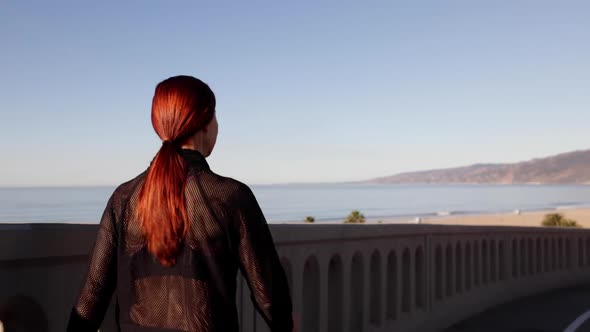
182, 105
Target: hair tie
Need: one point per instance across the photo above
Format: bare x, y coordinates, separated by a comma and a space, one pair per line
168, 142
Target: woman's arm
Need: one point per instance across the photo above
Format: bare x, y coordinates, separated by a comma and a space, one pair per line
100, 282
260, 264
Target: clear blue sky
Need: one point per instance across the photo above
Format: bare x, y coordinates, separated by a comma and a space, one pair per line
306, 92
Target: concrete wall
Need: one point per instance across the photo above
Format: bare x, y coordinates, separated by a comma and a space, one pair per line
343, 277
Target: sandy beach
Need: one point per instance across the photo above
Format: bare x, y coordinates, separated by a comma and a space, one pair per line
529, 219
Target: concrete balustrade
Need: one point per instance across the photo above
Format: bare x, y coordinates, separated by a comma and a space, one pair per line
380, 277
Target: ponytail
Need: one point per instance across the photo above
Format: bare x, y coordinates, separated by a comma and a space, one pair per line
162, 208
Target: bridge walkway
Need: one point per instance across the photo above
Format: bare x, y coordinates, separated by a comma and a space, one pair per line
547, 312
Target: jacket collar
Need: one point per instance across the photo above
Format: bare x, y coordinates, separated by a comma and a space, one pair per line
194, 158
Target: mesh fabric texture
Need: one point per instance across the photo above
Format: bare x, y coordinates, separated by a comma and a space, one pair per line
228, 232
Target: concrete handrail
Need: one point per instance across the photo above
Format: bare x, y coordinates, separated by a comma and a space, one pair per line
343, 277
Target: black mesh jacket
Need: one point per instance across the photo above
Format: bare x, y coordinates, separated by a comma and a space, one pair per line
228, 232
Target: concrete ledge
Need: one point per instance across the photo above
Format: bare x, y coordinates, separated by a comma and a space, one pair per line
373, 277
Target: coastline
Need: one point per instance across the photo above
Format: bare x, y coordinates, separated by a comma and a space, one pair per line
525, 219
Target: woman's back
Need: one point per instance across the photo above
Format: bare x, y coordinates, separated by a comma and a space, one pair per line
223, 230
228, 232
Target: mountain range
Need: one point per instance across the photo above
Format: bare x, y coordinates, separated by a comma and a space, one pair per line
566, 168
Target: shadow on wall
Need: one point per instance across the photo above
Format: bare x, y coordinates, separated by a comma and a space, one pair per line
22, 314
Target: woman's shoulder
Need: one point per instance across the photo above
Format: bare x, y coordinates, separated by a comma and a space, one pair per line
231, 186
124, 191
127, 188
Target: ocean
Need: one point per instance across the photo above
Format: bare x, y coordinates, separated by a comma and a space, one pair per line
325, 202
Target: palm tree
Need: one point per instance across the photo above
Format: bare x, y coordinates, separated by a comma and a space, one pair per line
557, 220
355, 217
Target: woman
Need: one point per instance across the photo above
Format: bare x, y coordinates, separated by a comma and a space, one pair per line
171, 240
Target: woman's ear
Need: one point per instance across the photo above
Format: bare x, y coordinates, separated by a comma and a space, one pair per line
208, 126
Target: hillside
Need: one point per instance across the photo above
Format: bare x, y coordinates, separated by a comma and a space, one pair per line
566, 168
